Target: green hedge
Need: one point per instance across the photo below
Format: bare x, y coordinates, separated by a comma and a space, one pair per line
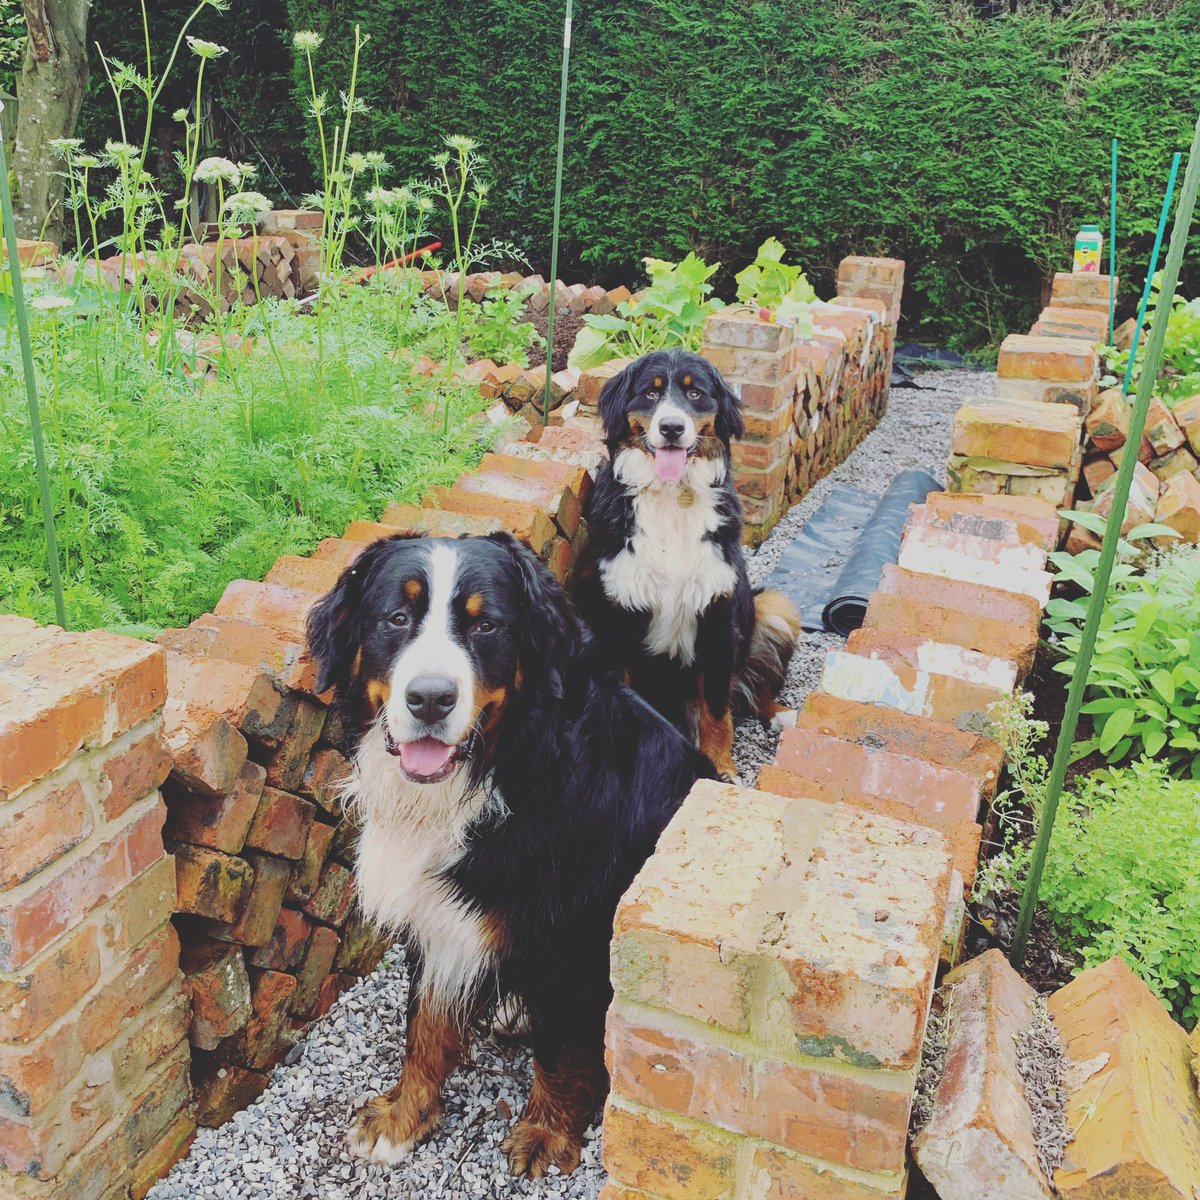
970, 145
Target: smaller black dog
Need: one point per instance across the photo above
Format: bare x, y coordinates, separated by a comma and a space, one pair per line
509, 788
665, 588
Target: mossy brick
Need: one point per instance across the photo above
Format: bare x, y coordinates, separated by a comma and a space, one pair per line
281, 824
256, 922
971, 558
995, 527
215, 978
32, 1076
144, 1044
211, 884
1108, 423
1145, 453
317, 963
218, 822
155, 1164
221, 1089
69, 691
1013, 608
34, 998
1097, 472
1023, 356
1131, 1101
266, 1036
137, 911
1179, 461
1187, 416
734, 905
307, 875
362, 946
1043, 435
1142, 502
592, 380
778, 1174
933, 624
287, 764
856, 1118
1179, 507
152, 1110
285, 949
980, 1139
334, 897
1036, 520
244, 695
304, 574
324, 776
668, 1158
527, 521
1162, 432
280, 655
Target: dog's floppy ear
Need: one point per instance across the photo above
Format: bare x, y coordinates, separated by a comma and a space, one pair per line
729, 423
613, 405
551, 633
334, 629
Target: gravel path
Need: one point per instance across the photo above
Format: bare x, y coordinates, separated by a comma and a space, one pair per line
290, 1144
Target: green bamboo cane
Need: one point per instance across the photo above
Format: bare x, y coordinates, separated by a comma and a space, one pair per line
558, 174
1108, 552
1112, 248
35, 415
1145, 300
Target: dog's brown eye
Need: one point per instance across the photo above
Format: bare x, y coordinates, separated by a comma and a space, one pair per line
652, 395
485, 626
692, 394
398, 620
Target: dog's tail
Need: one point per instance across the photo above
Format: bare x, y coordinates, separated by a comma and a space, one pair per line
776, 628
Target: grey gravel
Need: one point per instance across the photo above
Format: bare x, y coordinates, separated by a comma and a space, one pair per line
291, 1143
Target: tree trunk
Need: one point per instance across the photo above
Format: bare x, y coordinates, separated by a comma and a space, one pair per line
50, 89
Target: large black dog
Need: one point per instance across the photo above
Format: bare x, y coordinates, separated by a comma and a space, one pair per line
665, 587
509, 787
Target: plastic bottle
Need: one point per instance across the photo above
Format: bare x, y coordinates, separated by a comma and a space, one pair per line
1088, 243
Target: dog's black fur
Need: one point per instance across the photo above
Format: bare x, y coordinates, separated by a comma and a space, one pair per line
744, 639
589, 774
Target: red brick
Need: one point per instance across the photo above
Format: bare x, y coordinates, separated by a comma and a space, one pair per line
1058, 359
215, 976
136, 911
263, 1042
223, 1090
158, 1160
741, 326
334, 896
332, 986
980, 1138
133, 773
318, 962
286, 766
281, 608
244, 695
362, 947
207, 752
211, 884
288, 942
150, 1040
33, 1075
406, 518
149, 971
156, 1108
41, 831
784, 1176
339, 551
307, 875
1108, 422
528, 522
1042, 435
281, 824
280, 655
256, 922
938, 658
1179, 461
1036, 520
1077, 289
1009, 608
1162, 432
1179, 506
592, 381
220, 822
1097, 472
304, 574
35, 998
324, 776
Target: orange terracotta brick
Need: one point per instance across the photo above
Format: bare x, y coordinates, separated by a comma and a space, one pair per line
324, 775
33, 1075
55, 819
207, 753
1035, 519
1097, 472
304, 574
219, 990
244, 695
1077, 289
1187, 416
280, 655
288, 942
1043, 435
307, 875
783, 1176
33, 999
281, 824
528, 522
317, 963
339, 551
211, 884
222, 1090
1108, 422
151, 969
267, 604
132, 773
1009, 608
1050, 358
256, 922
938, 658
556, 487
1162, 432
1179, 461
220, 822
263, 1041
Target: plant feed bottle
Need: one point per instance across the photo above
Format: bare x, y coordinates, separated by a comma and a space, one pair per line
1088, 244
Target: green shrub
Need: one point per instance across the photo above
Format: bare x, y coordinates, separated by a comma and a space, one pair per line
1121, 874
1179, 375
1143, 690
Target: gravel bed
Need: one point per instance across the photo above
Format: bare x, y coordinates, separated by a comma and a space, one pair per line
291, 1143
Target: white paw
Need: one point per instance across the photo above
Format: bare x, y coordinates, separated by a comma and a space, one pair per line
785, 718
379, 1149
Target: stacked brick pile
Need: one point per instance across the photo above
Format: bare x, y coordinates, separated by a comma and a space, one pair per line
807, 403
1078, 307
1027, 441
775, 961
94, 1091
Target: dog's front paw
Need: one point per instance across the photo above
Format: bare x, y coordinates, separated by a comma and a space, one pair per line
387, 1130
532, 1149
784, 718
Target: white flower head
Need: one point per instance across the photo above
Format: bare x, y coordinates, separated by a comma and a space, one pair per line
86, 161
247, 206
461, 144
307, 40
376, 160
180, 114
357, 162
248, 171
210, 170
50, 303
205, 49
119, 151
65, 147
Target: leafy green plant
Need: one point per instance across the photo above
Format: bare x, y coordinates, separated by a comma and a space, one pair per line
771, 283
1121, 874
495, 330
1144, 685
1180, 373
671, 311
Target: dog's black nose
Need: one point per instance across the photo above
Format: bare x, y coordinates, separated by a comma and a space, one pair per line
671, 428
431, 698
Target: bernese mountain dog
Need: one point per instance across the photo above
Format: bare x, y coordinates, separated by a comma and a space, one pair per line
665, 585
508, 786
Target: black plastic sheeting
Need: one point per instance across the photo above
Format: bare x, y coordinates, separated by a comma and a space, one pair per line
877, 545
809, 567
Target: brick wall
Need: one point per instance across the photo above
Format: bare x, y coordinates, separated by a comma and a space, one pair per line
807, 402
94, 1090
775, 960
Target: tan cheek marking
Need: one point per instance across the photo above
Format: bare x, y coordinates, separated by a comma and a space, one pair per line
412, 589
474, 604
379, 692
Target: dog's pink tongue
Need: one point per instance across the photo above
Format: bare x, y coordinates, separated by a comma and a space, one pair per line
425, 757
669, 462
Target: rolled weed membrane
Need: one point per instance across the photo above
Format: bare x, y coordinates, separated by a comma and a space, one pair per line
877, 545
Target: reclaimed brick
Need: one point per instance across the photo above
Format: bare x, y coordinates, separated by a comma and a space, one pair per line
1097, 472
150, 969
256, 922
318, 962
1043, 435
53, 820
150, 1040
207, 754
286, 766
281, 824
937, 658
1011, 608
405, 518
158, 1160
1108, 422
218, 822
33, 1075
980, 1139
1036, 520
132, 773
211, 884
528, 522
265, 1039
1132, 1103
1076, 289
281, 608
362, 946
1187, 416
1179, 506
783, 1176
222, 1090
592, 381
1162, 432
245, 696
1142, 503
136, 911
332, 900
307, 874
1175, 462
33, 999
1059, 359
285, 949
280, 655
970, 558
216, 980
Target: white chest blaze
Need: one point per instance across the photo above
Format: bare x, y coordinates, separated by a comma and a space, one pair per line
670, 569
411, 834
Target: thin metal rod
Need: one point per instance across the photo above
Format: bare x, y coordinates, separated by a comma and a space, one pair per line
35, 414
1158, 237
1112, 248
1108, 551
558, 176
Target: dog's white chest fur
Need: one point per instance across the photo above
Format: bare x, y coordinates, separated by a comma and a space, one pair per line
669, 569
411, 834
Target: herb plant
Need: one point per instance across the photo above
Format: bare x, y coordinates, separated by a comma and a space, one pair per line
771, 283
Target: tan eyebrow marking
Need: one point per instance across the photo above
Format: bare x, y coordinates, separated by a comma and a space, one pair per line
412, 588
474, 604
658, 381
687, 381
